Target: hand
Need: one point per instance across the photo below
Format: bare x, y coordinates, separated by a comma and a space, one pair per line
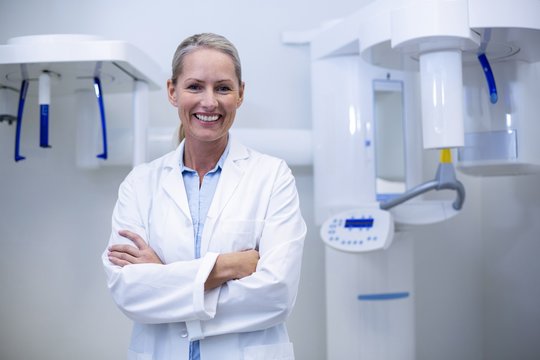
232, 266
242, 263
123, 255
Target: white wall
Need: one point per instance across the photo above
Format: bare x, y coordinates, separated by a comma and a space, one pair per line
55, 218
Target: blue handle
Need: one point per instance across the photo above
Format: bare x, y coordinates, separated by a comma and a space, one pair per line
99, 95
22, 98
44, 126
493, 97
383, 296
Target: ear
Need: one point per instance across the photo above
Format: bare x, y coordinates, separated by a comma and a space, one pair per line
241, 95
171, 93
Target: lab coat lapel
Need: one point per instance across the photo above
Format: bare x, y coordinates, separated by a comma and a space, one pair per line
173, 183
229, 180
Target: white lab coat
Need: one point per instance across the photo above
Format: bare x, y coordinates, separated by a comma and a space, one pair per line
255, 207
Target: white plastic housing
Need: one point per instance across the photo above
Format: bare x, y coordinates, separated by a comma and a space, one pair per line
376, 329
342, 136
441, 97
418, 25
344, 178
502, 138
44, 96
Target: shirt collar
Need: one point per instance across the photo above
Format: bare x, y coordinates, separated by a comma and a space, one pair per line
219, 164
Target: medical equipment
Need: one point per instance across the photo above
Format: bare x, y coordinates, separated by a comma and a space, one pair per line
44, 81
444, 179
22, 99
366, 319
473, 64
99, 96
482, 74
502, 138
44, 97
362, 229
65, 64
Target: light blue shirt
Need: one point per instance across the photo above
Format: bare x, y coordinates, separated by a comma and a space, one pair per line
199, 199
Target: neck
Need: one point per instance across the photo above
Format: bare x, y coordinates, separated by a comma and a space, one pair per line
203, 156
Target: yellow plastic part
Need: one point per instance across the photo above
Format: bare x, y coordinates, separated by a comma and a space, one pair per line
446, 156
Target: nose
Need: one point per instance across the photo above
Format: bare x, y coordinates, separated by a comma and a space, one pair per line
209, 99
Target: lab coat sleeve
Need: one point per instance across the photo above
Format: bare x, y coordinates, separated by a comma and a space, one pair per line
153, 293
265, 298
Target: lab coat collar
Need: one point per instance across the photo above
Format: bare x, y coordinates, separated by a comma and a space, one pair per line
219, 164
230, 177
237, 152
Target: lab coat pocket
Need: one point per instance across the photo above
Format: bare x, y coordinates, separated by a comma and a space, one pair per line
241, 235
282, 351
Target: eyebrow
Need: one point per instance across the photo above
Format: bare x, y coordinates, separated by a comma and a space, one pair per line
219, 81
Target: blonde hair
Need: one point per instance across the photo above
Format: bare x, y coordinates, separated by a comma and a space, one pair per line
204, 40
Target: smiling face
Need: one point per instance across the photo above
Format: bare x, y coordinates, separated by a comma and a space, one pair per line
207, 94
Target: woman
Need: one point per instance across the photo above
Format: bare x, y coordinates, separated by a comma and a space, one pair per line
206, 241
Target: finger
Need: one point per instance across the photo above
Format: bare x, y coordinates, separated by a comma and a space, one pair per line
252, 252
118, 262
124, 257
136, 238
123, 248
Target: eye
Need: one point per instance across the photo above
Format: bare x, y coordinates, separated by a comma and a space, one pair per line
223, 89
193, 87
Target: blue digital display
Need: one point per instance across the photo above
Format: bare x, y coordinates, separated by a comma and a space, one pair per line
359, 223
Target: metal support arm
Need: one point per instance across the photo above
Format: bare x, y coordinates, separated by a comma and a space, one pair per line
445, 179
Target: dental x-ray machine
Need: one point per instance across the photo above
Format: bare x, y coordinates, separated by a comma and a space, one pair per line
475, 67
82, 65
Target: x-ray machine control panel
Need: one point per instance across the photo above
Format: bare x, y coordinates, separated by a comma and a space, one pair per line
361, 229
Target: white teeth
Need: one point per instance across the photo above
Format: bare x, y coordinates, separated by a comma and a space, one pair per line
207, 118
